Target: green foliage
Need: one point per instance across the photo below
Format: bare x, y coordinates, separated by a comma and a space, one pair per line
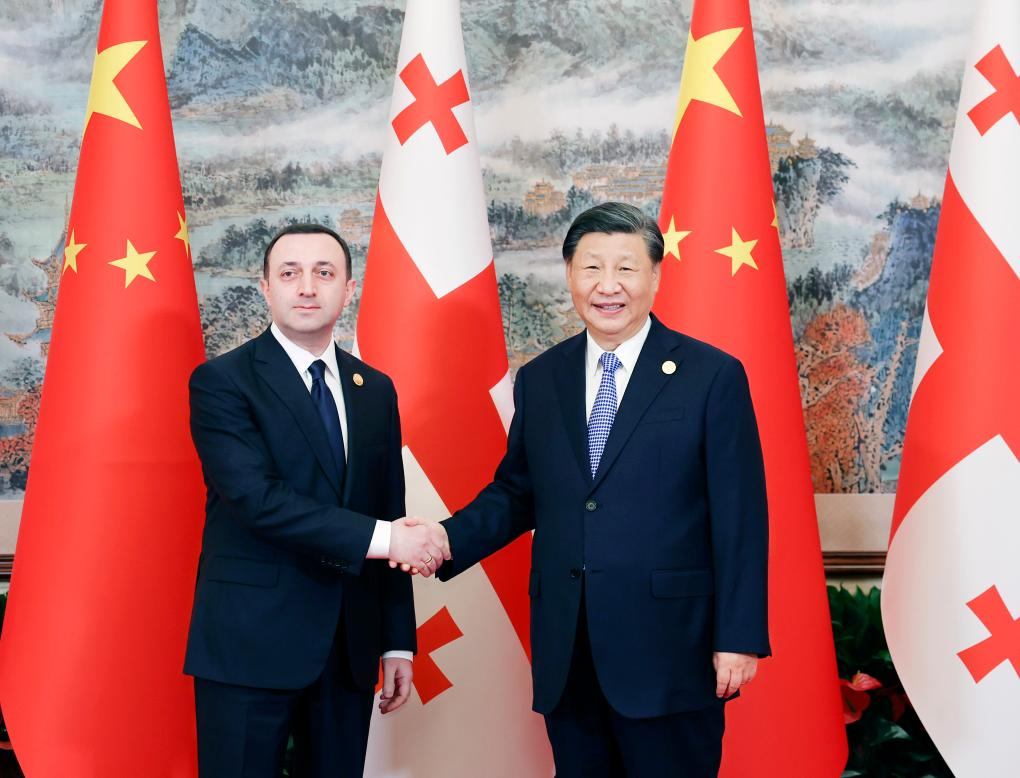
888, 741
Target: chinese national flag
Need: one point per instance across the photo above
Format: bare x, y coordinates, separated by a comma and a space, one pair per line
723, 282
430, 319
93, 642
951, 591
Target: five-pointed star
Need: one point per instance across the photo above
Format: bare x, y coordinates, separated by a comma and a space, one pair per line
699, 80
134, 264
739, 252
104, 96
775, 215
71, 252
182, 233
672, 238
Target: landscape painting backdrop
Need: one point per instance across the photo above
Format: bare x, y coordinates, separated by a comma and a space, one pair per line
280, 109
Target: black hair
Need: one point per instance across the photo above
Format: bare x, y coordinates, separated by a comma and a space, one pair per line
303, 228
615, 217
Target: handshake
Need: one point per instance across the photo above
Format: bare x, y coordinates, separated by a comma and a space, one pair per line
418, 545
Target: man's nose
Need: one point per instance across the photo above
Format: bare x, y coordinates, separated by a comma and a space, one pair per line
307, 285
609, 283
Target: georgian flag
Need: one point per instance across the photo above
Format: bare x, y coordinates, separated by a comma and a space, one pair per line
951, 596
430, 319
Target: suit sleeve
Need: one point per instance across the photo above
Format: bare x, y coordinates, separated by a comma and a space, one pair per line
397, 600
738, 513
503, 510
240, 469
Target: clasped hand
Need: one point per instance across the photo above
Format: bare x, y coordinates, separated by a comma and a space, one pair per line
418, 545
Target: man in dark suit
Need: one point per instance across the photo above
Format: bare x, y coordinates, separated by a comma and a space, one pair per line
634, 455
300, 446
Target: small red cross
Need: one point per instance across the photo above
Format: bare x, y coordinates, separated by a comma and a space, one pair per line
995, 67
435, 633
432, 103
1003, 642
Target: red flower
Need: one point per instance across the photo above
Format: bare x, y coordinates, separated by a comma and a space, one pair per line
855, 695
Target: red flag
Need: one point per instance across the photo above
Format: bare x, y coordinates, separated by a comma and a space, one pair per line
723, 282
951, 590
430, 319
104, 572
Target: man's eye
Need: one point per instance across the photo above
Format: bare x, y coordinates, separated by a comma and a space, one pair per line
287, 274
326, 273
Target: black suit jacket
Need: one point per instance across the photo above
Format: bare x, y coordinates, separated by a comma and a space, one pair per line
284, 546
669, 539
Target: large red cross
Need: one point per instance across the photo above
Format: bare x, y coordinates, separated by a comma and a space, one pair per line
432, 103
443, 367
1003, 641
995, 67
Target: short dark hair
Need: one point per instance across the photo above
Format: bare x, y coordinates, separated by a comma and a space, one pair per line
615, 217
306, 228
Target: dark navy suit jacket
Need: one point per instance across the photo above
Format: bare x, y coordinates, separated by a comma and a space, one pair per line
284, 545
670, 537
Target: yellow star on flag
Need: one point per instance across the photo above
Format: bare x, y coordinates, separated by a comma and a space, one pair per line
739, 252
775, 215
71, 252
104, 96
699, 80
672, 238
182, 234
134, 264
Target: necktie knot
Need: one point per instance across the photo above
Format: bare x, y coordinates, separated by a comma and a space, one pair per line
610, 362
318, 370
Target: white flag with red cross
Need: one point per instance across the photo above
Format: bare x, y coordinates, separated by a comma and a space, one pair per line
430, 319
951, 593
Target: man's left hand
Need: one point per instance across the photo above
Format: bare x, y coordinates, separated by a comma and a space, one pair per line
732, 671
397, 674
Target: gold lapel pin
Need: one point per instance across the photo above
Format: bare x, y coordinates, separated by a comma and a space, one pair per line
358, 380
669, 367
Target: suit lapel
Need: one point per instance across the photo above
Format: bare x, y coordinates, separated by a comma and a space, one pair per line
357, 432
570, 387
643, 387
276, 369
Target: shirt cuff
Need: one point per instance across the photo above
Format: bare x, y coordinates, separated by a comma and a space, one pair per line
408, 655
379, 548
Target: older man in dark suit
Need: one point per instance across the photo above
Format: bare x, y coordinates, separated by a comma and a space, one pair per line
634, 456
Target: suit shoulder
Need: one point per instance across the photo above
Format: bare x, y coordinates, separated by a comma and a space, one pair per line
549, 357
706, 353
229, 362
371, 375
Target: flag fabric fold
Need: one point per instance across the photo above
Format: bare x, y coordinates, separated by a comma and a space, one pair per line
430, 318
951, 590
94, 635
723, 282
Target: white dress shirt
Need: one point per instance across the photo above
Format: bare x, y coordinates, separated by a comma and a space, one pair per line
627, 352
379, 547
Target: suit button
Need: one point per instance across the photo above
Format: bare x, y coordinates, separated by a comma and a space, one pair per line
575, 573
590, 506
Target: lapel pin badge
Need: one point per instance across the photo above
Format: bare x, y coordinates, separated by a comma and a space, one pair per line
669, 367
358, 380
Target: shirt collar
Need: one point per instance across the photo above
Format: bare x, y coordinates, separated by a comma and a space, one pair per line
303, 359
627, 352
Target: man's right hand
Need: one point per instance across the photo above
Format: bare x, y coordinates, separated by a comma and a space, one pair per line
418, 545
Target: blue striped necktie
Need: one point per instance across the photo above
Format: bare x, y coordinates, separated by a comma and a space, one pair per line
326, 405
603, 411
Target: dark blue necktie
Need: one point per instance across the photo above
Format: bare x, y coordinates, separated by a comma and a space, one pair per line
326, 405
